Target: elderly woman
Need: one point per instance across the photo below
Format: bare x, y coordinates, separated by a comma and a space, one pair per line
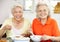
44, 25
17, 25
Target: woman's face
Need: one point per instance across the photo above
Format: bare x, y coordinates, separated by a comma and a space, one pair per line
17, 13
42, 11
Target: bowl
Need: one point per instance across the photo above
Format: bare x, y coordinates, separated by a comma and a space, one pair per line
36, 38
22, 39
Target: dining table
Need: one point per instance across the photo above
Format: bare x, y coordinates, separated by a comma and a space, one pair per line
5, 40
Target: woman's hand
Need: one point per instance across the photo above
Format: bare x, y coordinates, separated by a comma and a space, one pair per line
7, 27
56, 38
46, 37
26, 35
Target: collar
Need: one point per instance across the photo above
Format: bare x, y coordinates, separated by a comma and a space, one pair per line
47, 22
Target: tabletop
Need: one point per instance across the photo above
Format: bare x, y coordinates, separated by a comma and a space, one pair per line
5, 40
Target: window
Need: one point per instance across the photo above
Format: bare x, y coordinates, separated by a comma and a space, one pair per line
28, 5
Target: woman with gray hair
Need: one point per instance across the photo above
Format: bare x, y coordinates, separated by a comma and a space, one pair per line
17, 25
44, 25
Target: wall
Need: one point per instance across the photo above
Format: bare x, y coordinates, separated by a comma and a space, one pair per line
53, 15
6, 5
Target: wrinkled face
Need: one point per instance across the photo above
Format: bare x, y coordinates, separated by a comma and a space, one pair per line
17, 13
42, 11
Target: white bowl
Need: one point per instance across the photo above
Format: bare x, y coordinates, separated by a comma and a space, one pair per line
36, 38
23, 39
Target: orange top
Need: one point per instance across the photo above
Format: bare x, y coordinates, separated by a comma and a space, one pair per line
50, 28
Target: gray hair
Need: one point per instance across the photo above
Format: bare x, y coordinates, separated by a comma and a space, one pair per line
15, 6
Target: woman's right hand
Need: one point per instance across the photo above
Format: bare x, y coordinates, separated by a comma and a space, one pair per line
7, 27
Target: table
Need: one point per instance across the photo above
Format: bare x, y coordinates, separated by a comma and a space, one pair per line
5, 40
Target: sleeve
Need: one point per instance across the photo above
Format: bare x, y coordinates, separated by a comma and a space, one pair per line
26, 26
5, 23
29, 25
56, 31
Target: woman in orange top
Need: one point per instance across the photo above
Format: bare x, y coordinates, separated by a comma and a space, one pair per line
44, 24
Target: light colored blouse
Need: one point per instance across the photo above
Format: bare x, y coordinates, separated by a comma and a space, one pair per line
15, 32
